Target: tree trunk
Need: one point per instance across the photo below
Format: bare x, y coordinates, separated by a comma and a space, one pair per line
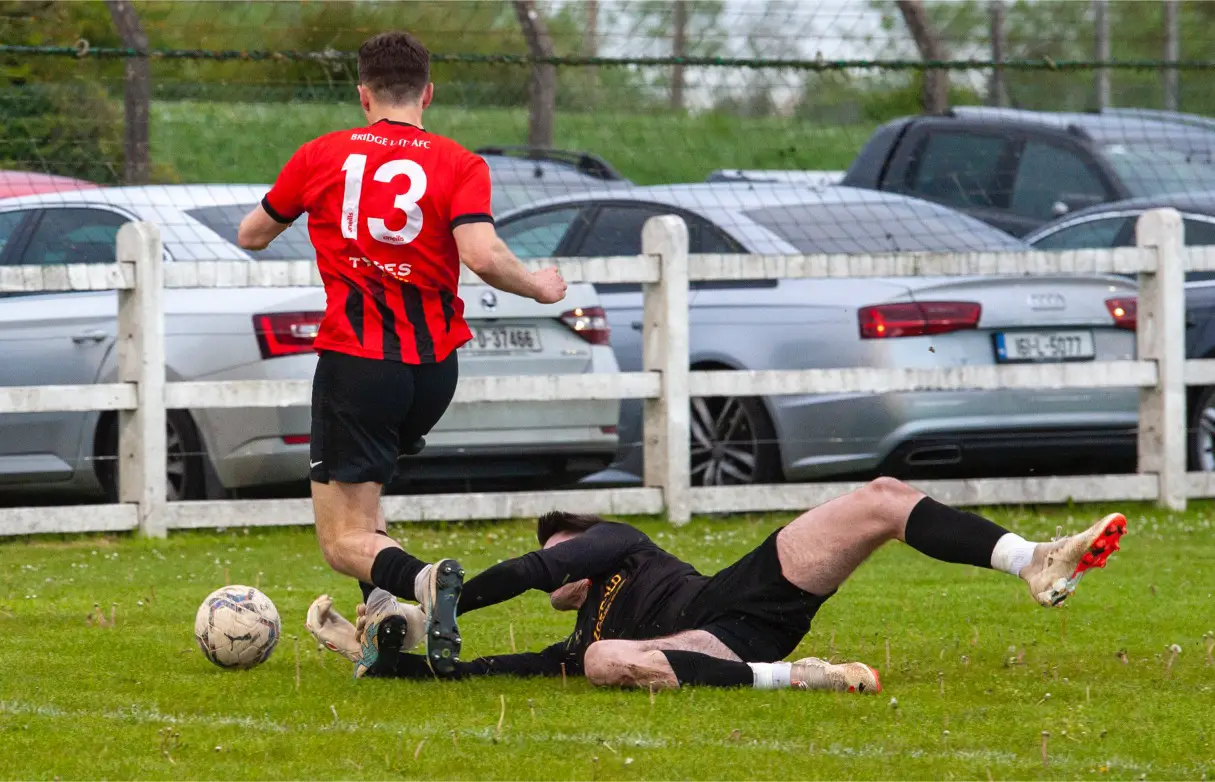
998, 93
679, 48
542, 89
137, 92
935, 98
1101, 53
1172, 53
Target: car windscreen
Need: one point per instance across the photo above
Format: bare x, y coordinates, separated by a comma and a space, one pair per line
1149, 171
292, 245
879, 227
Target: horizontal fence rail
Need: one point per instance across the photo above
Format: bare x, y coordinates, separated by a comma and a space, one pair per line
141, 394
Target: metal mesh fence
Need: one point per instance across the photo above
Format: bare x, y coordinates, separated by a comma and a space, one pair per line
771, 100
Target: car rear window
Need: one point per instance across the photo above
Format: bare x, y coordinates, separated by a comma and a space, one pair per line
879, 227
292, 245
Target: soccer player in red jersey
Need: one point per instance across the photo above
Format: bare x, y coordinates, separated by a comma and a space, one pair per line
392, 211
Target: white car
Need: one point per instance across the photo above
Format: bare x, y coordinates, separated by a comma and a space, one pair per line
69, 338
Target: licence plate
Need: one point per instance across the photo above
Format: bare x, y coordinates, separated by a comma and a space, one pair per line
504, 339
1044, 346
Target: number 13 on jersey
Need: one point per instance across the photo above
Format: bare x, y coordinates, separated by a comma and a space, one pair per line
407, 202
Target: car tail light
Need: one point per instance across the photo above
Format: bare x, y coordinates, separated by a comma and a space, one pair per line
296, 439
286, 333
917, 318
1125, 311
590, 323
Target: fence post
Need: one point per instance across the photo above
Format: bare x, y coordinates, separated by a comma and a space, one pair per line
1161, 338
665, 340
141, 360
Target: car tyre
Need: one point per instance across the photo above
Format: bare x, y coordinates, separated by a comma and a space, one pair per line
184, 473
733, 442
1202, 431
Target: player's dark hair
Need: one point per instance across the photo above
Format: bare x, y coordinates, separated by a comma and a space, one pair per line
395, 66
559, 521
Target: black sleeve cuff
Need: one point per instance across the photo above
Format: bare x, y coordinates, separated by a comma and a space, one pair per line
479, 217
274, 214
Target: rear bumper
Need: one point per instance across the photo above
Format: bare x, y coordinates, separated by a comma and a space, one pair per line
1014, 452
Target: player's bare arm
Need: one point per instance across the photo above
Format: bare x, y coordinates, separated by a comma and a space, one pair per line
258, 229
488, 256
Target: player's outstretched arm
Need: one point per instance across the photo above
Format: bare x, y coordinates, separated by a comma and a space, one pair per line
258, 229
482, 251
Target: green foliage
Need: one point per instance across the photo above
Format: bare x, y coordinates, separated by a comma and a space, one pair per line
971, 662
220, 142
70, 130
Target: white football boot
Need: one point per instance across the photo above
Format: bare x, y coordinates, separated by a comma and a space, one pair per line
811, 673
331, 629
1057, 567
404, 623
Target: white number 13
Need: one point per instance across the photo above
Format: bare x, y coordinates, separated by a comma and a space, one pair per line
407, 202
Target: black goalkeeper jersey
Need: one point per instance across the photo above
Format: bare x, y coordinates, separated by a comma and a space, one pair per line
637, 591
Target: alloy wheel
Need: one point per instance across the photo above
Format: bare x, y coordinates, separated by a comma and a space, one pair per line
724, 443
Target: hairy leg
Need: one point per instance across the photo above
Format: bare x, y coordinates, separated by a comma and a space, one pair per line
347, 518
823, 546
643, 663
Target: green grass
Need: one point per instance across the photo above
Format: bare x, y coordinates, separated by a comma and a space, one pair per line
91, 702
242, 142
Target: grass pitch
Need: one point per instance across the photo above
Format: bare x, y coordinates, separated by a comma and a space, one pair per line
981, 675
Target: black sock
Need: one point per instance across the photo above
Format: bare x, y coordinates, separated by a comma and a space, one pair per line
394, 571
952, 535
697, 668
363, 585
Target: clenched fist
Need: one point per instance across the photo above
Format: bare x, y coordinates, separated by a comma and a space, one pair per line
571, 596
550, 287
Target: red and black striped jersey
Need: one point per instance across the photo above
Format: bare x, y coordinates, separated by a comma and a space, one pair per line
381, 203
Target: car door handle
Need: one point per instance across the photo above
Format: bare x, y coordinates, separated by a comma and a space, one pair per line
637, 325
86, 337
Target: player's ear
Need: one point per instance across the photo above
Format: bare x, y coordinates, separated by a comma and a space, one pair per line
365, 98
428, 95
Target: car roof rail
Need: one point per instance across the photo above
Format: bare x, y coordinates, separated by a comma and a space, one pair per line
583, 162
1159, 115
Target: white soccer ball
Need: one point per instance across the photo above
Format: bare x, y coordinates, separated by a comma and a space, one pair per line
237, 627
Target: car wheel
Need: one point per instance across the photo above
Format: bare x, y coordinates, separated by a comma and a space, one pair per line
732, 442
183, 466
1202, 431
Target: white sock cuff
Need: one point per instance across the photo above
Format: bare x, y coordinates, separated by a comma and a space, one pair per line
771, 676
419, 583
1012, 553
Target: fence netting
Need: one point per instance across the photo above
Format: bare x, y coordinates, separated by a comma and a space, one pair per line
744, 115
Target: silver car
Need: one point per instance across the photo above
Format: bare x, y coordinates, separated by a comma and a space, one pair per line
68, 338
833, 323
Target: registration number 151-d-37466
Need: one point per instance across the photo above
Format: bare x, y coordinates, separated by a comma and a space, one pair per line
504, 339
1044, 346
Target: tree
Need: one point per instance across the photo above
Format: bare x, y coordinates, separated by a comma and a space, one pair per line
542, 89
137, 93
928, 42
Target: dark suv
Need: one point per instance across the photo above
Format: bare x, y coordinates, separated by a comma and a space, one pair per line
1020, 169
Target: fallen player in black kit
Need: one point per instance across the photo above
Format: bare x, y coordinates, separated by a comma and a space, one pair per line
648, 619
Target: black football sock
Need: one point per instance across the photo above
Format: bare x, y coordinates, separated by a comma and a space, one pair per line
394, 570
696, 668
952, 535
363, 585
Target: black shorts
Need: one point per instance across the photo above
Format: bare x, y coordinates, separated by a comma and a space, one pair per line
754, 610
365, 410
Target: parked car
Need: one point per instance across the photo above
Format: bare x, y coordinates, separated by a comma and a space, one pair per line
68, 338
522, 175
1018, 170
809, 178
1113, 225
833, 323
19, 183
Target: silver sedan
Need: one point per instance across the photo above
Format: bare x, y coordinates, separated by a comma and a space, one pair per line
835, 323
260, 334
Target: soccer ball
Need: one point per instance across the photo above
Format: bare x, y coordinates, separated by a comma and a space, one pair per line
237, 627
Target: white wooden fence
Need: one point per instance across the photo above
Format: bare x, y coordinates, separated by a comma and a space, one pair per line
142, 396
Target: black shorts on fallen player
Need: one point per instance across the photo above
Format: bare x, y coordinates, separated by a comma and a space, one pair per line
365, 411
753, 609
